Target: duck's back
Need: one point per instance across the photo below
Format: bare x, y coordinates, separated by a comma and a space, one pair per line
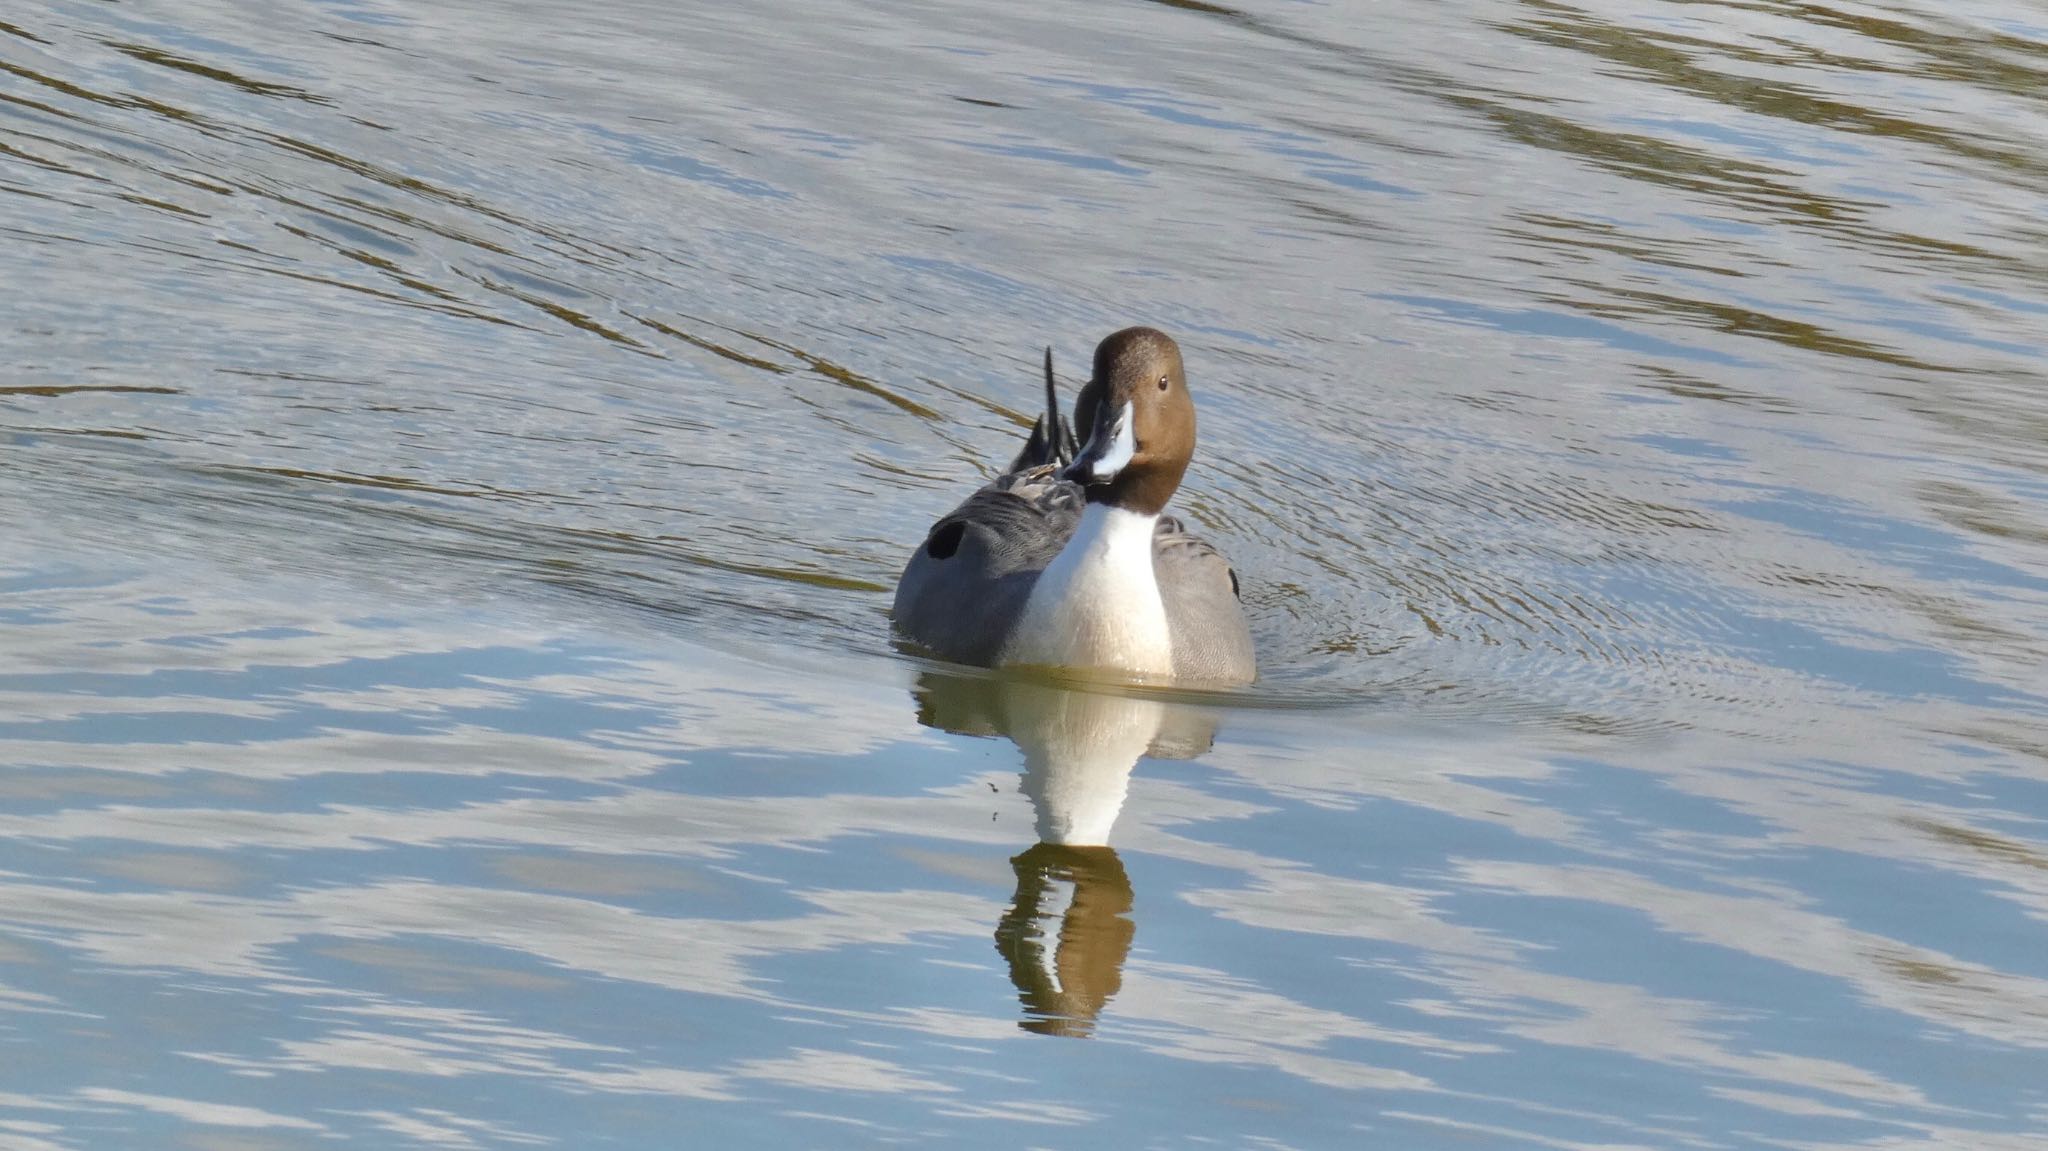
966, 586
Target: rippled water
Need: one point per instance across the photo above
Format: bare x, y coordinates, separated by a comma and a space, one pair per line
454, 459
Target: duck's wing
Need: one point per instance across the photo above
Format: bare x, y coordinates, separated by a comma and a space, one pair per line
1212, 642
966, 586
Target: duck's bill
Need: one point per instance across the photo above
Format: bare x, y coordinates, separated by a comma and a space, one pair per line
1108, 451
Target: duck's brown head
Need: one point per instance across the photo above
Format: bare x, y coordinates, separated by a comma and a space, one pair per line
1137, 420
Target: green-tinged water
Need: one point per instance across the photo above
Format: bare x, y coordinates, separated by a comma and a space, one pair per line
454, 460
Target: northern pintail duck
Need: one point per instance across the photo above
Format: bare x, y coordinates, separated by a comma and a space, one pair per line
1067, 560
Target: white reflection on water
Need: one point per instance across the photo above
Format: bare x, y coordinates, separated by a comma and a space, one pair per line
1079, 744
204, 1114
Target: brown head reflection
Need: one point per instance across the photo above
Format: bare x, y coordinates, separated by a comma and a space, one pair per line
1066, 936
1068, 931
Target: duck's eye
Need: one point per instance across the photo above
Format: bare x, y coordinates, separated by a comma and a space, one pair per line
1162, 383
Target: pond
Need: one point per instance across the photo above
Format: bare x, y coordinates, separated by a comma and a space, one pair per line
455, 459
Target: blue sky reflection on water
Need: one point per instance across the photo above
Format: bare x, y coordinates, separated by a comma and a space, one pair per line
426, 875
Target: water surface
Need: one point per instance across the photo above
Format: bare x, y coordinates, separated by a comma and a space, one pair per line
454, 459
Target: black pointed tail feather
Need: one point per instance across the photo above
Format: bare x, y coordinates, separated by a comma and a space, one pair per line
1052, 437
1064, 447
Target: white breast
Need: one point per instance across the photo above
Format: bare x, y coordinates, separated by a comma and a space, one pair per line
1097, 604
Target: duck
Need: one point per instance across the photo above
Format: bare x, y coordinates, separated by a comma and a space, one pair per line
1068, 560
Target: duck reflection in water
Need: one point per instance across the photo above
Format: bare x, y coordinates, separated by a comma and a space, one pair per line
1069, 928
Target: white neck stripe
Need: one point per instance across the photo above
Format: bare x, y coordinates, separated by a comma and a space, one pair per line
1123, 445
